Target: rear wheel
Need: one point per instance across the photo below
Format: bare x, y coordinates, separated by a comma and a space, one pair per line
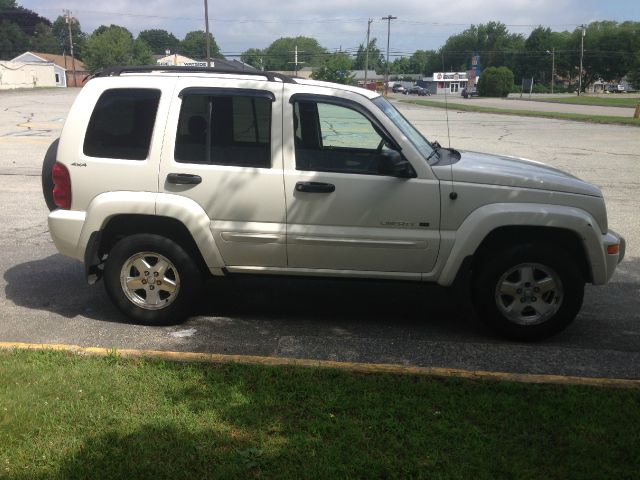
528, 292
152, 279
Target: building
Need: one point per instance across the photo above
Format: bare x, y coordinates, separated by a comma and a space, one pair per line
445, 82
63, 66
304, 72
374, 81
26, 75
177, 59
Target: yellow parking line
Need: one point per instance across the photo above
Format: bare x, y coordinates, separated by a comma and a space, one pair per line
27, 139
41, 125
349, 366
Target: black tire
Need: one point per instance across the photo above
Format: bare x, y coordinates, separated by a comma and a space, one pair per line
47, 180
152, 304
537, 309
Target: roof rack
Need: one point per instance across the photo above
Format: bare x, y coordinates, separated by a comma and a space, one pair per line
117, 71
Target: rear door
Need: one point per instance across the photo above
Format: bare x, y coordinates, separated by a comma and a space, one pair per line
223, 150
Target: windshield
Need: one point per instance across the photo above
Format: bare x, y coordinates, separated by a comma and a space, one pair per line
409, 131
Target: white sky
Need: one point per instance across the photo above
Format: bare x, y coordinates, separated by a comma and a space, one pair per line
241, 24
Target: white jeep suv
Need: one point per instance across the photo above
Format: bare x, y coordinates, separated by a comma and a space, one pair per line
163, 176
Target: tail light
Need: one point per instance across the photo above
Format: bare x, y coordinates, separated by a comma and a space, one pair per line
61, 186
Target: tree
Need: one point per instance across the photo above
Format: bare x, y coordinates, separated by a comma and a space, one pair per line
376, 59
194, 45
425, 62
13, 40
280, 54
60, 30
44, 41
160, 41
254, 57
400, 66
535, 61
634, 73
115, 45
495, 82
25, 19
6, 4
492, 41
609, 49
336, 68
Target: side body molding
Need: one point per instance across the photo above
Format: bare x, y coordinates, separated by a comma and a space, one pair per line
484, 220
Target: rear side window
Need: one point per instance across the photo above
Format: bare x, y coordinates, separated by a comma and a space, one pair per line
225, 129
122, 123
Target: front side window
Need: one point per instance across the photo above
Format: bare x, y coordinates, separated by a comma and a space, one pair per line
121, 124
414, 136
335, 138
224, 130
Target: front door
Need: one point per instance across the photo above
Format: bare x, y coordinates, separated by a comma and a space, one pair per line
342, 212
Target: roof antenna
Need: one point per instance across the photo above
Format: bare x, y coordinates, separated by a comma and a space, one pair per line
453, 194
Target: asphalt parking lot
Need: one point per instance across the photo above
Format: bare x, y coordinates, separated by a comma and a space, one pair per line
45, 300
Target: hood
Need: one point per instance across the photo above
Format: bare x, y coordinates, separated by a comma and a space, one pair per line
505, 171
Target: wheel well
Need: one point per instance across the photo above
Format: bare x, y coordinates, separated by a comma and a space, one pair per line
124, 225
505, 237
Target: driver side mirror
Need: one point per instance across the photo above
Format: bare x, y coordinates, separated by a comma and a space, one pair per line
392, 163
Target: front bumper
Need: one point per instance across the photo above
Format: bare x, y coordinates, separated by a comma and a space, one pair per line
612, 260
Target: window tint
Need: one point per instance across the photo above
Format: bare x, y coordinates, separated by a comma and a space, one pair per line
122, 123
334, 138
224, 130
343, 127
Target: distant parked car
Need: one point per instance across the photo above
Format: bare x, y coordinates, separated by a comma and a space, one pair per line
615, 88
397, 88
417, 90
469, 92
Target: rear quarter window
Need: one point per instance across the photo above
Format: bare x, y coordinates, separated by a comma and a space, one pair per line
121, 124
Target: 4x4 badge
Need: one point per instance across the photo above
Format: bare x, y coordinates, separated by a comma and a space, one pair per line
76, 164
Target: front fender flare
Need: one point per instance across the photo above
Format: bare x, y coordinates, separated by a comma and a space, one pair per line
484, 220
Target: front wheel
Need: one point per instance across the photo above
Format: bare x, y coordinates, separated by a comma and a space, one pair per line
528, 292
152, 279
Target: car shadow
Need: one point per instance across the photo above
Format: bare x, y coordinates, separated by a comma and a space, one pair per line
56, 284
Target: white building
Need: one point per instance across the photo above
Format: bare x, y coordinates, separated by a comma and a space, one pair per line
177, 59
63, 66
26, 75
446, 82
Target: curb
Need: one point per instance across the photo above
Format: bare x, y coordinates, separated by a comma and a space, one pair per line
215, 358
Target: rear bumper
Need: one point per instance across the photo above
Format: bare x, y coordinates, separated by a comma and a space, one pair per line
65, 227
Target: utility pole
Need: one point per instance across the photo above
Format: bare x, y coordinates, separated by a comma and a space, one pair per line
295, 59
388, 18
206, 21
584, 32
69, 19
366, 56
553, 66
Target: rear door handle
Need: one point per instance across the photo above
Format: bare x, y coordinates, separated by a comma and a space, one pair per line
184, 179
315, 187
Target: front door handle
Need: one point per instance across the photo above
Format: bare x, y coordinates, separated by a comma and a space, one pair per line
315, 187
184, 179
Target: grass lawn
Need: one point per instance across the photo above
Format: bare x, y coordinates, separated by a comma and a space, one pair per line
528, 113
64, 416
618, 100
